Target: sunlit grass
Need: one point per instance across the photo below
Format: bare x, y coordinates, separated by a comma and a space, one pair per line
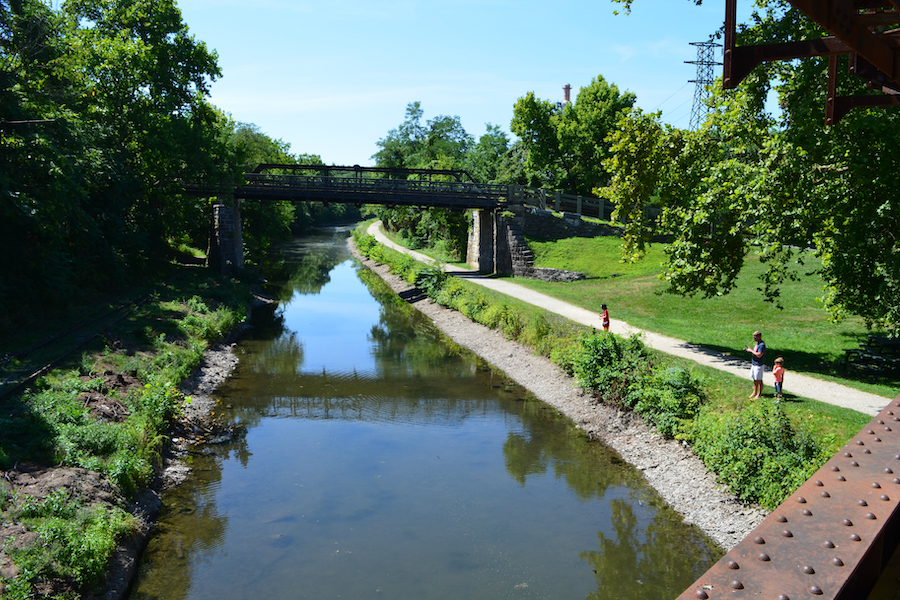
801, 332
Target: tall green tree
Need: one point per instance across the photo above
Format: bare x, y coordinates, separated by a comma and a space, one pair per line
789, 187
566, 146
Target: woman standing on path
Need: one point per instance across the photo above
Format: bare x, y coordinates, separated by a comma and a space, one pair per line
605, 317
757, 362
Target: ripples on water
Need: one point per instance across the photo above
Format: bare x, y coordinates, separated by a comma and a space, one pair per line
383, 462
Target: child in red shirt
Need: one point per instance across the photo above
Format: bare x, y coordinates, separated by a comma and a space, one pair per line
605, 317
778, 372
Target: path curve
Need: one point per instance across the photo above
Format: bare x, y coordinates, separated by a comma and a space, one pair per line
799, 384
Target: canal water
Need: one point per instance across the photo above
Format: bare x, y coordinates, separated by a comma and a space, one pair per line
381, 461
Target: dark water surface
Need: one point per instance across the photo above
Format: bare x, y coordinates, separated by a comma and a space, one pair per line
381, 461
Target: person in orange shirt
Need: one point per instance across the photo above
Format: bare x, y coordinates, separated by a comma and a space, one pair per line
778, 372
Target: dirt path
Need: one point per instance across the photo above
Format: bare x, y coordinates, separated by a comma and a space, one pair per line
670, 468
800, 385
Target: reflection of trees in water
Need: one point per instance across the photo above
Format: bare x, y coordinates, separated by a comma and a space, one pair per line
405, 342
304, 268
189, 530
667, 556
551, 441
282, 356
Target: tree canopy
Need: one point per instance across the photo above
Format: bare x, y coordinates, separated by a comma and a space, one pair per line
781, 187
565, 146
104, 117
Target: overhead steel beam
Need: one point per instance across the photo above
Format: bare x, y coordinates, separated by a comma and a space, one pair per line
842, 19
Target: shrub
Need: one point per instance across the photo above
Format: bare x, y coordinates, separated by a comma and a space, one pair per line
756, 452
668, 399
608, 364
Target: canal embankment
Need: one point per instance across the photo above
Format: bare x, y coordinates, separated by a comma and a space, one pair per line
667, 465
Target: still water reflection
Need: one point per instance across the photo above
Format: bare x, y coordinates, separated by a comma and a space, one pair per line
381, 461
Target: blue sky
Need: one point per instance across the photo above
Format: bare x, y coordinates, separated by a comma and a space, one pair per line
333, 77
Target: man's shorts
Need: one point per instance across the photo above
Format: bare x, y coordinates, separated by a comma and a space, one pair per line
756, 372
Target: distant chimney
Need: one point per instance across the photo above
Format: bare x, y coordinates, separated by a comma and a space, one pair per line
567, 93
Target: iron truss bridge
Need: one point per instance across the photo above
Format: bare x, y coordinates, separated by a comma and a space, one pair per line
371, 185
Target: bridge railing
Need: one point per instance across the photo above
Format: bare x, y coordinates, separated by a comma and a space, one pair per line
375, 190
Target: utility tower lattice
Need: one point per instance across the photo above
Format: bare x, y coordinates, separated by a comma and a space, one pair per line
705, 62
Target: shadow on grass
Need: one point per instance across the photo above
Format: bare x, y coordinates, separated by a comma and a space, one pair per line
802, 362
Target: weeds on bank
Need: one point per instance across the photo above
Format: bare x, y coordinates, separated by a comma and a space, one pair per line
51, 424
761, 450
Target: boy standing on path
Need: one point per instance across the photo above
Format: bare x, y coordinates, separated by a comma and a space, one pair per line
757, 362
778, 372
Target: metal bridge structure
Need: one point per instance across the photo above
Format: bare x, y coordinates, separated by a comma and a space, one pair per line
422, 188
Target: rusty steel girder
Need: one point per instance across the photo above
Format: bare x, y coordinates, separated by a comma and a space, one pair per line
860, 28
832, 537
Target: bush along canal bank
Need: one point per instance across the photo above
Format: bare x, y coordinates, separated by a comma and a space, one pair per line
90, 445
653, 414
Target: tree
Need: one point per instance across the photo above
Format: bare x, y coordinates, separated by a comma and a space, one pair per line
787, 189
566, 146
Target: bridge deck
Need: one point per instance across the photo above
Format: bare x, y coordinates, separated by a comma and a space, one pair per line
364, 190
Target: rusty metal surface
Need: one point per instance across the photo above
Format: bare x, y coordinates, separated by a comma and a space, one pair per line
832, 537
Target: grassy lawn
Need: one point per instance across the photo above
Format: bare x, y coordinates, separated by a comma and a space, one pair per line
802, 332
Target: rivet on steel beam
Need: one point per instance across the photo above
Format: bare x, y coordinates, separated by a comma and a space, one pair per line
733, 565
842, 478
759, 540
870, 516
847, 523
702, 595
837, 562
859, 443
781, 519
783, 597
787, 533
816, 590
764, 557
895, 419
819, 483
870, 432
880, 422
826, 495
885, 497
801, 500
876, 485
836, 468
846, 455
855, 537
863, 503
828, 544
889, 413
809, 570
877, 439
889, 470
854, 464
737, 585
887, 428
807, 512
867, 451
896, 480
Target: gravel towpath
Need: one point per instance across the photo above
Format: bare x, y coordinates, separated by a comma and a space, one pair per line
798, 384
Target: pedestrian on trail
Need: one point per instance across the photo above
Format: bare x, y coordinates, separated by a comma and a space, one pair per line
778, 372
605, 317
757, 363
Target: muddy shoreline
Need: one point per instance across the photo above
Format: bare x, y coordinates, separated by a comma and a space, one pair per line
669, 467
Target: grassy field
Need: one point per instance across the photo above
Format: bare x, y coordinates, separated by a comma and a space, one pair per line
802, 332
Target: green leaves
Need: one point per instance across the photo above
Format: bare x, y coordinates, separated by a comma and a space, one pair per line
565, 147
